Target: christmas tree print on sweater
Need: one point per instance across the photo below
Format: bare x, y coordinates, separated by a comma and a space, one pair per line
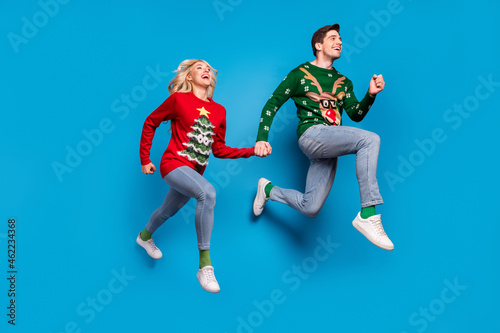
200, 139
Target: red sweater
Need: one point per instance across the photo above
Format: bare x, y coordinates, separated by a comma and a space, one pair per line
198, 127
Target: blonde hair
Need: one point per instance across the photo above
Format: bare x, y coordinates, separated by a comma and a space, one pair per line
180, 83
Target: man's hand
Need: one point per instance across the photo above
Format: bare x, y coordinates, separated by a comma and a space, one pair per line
262, 148
376, 84
148, 169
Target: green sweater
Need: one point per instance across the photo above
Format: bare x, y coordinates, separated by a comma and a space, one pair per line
320, 95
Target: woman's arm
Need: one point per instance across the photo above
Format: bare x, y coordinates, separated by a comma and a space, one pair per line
166, 111
219, 148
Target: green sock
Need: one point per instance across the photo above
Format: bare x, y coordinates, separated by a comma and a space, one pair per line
205, 258
367, 212
145, 235
268, 189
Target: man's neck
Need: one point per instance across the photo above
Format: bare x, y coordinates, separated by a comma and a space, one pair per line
322, 62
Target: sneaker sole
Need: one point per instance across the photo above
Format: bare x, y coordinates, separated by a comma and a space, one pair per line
210, 291
255, 208
204, 288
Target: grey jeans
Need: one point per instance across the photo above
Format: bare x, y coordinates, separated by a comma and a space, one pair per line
185, 183
323, 145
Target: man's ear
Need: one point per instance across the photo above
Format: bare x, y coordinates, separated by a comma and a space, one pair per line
318, 46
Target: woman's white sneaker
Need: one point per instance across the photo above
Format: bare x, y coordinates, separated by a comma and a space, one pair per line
373, 230
207, 279
150, 247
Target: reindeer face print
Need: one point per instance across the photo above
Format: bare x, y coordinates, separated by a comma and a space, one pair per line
327, 100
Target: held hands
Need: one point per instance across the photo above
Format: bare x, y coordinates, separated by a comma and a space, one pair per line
148, 169
377, 84
262, 148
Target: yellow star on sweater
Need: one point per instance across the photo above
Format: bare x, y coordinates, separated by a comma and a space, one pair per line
203, 111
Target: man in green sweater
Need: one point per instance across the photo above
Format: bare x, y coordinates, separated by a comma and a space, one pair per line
321, 94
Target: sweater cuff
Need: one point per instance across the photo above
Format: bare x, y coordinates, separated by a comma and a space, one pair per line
262, 137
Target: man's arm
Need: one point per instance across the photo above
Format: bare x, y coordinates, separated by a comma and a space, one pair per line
358, 110
285, 90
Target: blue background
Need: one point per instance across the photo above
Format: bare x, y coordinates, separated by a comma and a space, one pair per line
70, 74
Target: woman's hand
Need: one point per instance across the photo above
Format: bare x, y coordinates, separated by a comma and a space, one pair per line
262, 149
148, 169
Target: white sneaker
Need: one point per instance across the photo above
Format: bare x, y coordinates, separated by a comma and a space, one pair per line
150, 247
207, 279
260, 197
373, 230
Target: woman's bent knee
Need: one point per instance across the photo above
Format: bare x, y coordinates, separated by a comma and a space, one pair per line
209, 194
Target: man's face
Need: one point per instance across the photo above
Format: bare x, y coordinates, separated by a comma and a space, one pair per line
331, 46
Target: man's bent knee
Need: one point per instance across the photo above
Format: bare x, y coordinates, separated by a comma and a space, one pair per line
311, 210
372, 139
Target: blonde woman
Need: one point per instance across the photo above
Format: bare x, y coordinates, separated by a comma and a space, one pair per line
198, 126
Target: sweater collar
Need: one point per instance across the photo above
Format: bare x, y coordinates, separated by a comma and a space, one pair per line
199, 99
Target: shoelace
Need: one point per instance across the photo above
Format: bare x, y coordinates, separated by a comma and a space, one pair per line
377, 225
152, 245
209, 274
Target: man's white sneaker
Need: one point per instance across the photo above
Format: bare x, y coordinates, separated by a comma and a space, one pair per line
260, 197
150, 247
207, 279
373, 230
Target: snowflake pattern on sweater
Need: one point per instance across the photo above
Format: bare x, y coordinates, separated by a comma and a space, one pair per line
320, 95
